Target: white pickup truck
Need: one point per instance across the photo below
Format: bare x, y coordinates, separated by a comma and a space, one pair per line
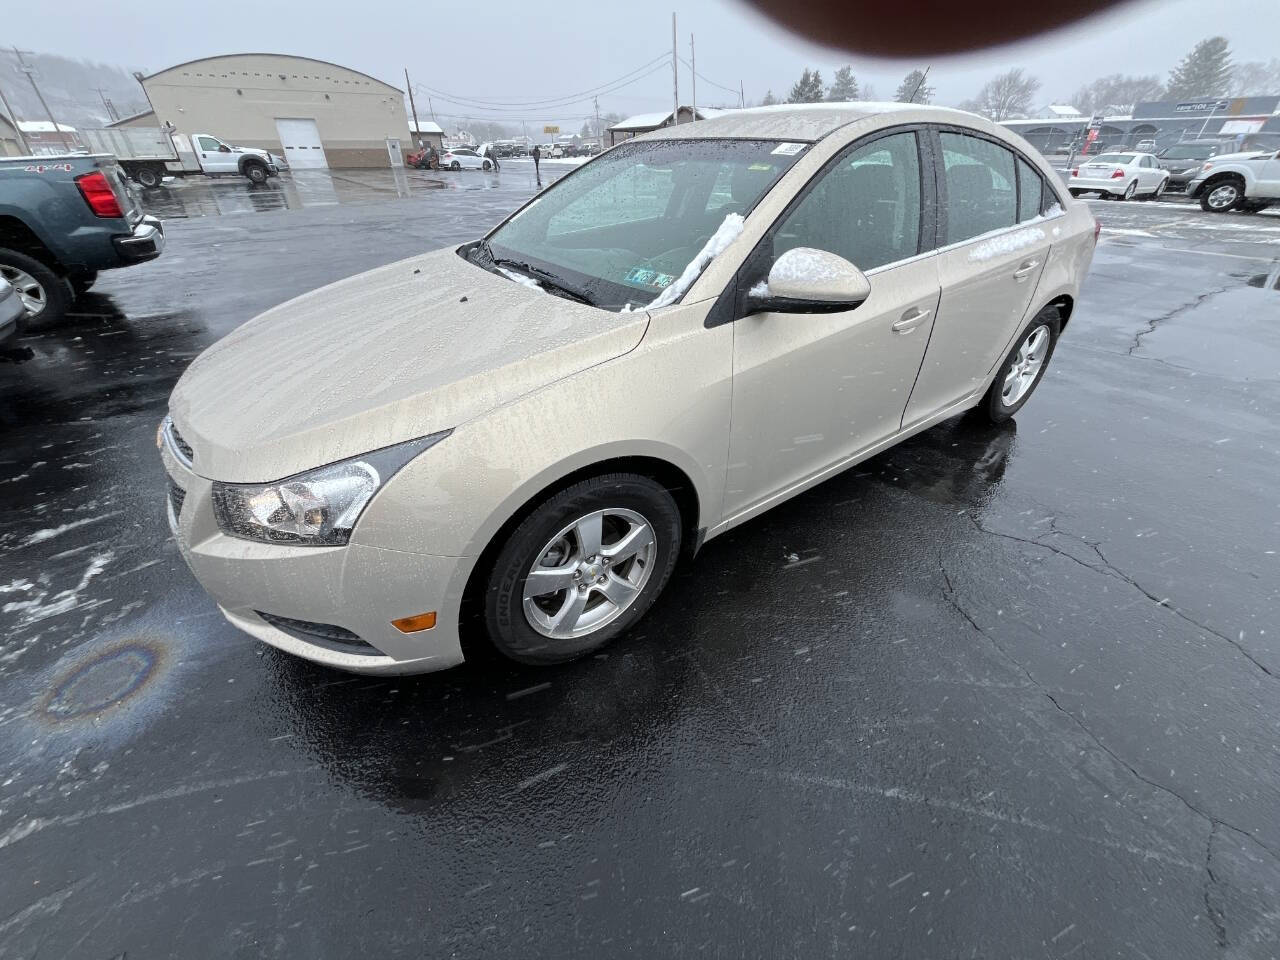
149, 154
1245, 181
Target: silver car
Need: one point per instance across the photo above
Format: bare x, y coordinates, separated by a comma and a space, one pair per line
519, 437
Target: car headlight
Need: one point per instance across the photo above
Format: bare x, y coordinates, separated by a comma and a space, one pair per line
316, 508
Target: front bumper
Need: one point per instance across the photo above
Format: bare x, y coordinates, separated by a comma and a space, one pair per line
1194, 185
145, 243
357, 588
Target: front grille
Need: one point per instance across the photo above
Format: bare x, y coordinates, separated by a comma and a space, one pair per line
177, 496
183, 448
324, 634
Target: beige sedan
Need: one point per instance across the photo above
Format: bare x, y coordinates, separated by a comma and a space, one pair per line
525, 433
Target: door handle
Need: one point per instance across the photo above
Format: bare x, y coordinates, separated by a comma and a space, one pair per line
1025, 269
910, 320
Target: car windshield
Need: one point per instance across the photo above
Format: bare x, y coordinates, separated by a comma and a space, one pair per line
1121, 158
622, 228
1187, 153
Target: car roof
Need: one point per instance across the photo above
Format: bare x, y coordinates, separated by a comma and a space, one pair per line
797, 121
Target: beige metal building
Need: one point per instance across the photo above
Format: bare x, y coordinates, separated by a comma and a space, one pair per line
313, 113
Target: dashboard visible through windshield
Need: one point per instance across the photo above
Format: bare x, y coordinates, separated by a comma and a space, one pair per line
622, 228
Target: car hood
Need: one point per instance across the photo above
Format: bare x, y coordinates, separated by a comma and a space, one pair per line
390, 355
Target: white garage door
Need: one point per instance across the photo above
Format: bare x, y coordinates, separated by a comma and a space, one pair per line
301, 141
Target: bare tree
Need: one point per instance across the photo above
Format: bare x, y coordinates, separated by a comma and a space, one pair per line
1116, 93
1255, 78
1008, 95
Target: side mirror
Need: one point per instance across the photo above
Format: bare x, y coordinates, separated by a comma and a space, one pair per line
224, 149
807, 280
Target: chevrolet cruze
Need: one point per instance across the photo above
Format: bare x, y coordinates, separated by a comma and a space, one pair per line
529, 430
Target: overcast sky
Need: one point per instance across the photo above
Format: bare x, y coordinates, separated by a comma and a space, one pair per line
505, 51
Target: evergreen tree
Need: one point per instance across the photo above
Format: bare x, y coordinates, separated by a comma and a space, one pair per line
769, 100
1204, 72
844, 86
808, 89
913, 89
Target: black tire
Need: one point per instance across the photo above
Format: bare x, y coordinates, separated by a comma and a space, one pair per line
487, 166
82, 283
53, 291
455, 165
993, 404
1215, 199
149, 177
1130, 191
256, 172
505, 621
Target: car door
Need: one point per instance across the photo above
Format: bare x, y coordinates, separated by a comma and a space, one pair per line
215, 156
810, 390
1151, 175
989, 265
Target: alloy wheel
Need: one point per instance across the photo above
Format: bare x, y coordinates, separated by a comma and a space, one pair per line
589, 573
1026, 366
1223, 196
33, 295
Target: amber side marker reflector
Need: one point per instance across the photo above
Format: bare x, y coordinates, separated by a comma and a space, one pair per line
423, 621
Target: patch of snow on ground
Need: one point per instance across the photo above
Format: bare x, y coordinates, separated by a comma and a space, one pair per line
727, 232
1006, 243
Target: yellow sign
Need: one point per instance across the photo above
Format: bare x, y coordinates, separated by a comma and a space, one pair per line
551, 128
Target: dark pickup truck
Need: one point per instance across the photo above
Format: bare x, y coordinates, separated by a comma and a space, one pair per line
62, 220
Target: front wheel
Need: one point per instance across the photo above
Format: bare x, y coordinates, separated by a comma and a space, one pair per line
486, 166
256, 173
1024, 366
1130, 190
582, 568
1221, 197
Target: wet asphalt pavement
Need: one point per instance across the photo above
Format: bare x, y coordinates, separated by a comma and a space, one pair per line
1000, 692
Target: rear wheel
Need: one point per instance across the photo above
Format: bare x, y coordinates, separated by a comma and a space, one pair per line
45, 294
582, 568
1023, 368
149, 177
486, 166
1221, 197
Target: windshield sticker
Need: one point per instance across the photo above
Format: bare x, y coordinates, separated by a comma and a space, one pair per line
648, 279
788, 149
761, 167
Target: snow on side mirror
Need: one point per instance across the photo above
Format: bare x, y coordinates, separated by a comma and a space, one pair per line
807, 280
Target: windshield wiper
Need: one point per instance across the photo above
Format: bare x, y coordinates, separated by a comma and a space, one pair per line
548, 280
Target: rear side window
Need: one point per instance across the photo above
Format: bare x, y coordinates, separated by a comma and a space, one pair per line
981, 195
866, 207
1030, 191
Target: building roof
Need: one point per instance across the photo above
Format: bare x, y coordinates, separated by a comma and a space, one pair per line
802, 121
1061, 110
652, 121
136, 116
425, 126
42, 126
287, 56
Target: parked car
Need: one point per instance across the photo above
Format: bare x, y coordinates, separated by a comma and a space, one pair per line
463, 158
149, 154
1183, 160
358, 505
1145, 146
12, 311
62, 220
1237, 181
1120, 176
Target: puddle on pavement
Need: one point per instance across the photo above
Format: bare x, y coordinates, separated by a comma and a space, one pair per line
1269, 280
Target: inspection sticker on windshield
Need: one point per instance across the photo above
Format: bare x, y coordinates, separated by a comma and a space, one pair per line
649, 279
788, 149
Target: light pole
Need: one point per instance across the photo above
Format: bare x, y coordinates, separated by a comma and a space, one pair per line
30, 71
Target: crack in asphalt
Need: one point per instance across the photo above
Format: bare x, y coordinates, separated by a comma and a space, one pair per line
1110, 569
1155, 322
1215, 914
1216, 917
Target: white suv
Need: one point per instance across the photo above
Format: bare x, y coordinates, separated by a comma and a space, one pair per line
1246, 181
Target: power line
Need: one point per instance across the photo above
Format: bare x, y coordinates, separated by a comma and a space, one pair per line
733, 90
533, 111
563, 100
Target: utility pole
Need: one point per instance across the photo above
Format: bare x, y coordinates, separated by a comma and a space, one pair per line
412, 105
693, 79
742, 97
431, 110
30, 71
675, 75
599, 132
107, 104
8, 111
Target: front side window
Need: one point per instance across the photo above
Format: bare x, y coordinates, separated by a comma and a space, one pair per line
981, 196
209, 144
866, 208
624, 227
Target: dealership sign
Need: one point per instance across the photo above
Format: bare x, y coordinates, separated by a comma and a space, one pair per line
1202, 106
